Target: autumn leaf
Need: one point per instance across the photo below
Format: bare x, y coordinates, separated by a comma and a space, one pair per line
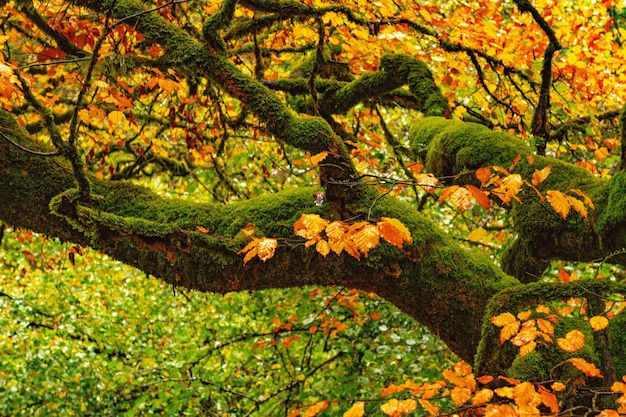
509, 331
394, 231
548, 399
319, 157
540, 175
527, 348
504, 410
483, 175
415, 167
589, 369
367, 238
429, 407
559, 202
477, 235
545, 326
309, 226
315, 409
578, 205
524, 315
585, 197
508, 187
357, 410
115, 117
398, 408
461, 198
482, 397
460, 395
598, 323
480, 197
502, 319
428, 182
573, 341
322, 247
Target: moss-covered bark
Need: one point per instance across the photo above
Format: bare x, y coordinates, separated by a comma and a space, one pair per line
454, 149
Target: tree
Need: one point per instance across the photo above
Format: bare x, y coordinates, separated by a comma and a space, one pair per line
96, 94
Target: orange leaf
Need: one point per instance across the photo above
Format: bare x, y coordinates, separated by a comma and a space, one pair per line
485, 379
509, 331
483, 175
202, 229
585, 367
482, 397
460, 395
549, 399
503, 319
394, 231
545, 326
572, 342
315, 409
366, 238
578, 205
515, 162
395, 407
480, 196
527, 348
559, 202
357, 410
585, 197
598, 323
461, 198
447, 192
540, 175
415, 167
524, 394
391, 389
426, 405
524, 315
558, 386
609, 413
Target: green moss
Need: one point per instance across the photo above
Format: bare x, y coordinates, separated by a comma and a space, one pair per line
611, 223
423, 132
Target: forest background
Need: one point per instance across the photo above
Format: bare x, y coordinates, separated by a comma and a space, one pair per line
354, 177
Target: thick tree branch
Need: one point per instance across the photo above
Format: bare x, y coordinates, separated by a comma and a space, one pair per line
432, 279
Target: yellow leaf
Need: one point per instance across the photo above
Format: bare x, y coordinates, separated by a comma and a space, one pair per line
367, 238
572, 342
116, 117
508, 187
336, 246
315, 409
482, 397
394, 231
357, 410
266, 248
585, 367
540, 175
460, 395
477, 235
426, 15
309, 226
336, 230
598, 323
447, 192
558, 386
392, 389
319, 157
249, 246
503, 319
524, 315
322, 247
559, 202
83, 115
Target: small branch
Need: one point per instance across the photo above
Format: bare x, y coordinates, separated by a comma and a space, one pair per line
540, 126
30, 151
